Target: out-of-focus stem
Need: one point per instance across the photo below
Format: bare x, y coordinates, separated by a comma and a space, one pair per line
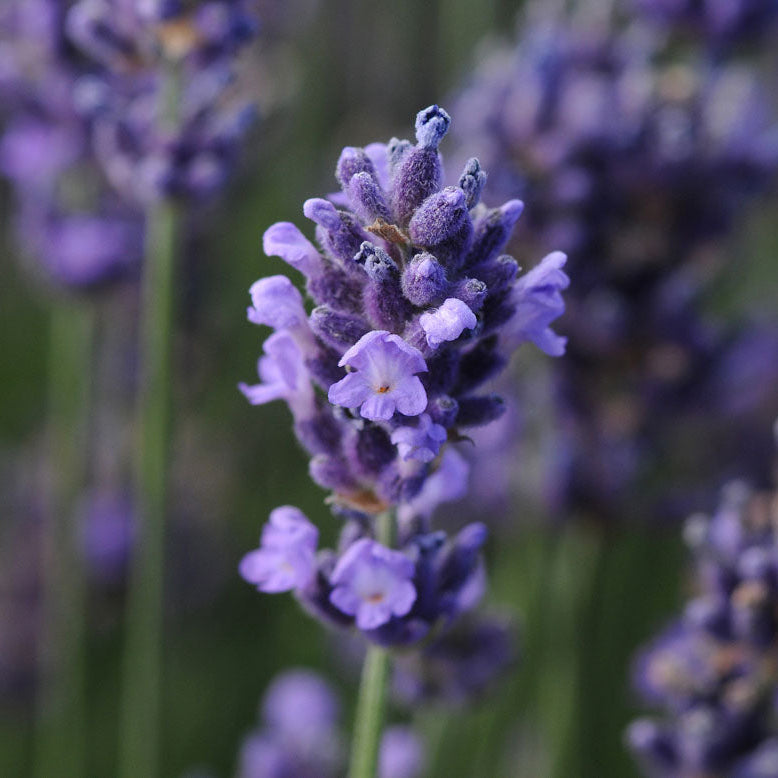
61, 727
141, 692
371, 704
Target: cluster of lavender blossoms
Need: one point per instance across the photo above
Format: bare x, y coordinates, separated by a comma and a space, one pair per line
67, 218
416, 308
300, 735
640, 163
713, 671
165, 121
722, 22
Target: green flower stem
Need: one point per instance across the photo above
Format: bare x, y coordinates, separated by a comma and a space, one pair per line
139, 741
139, 734
371, 703
61, 727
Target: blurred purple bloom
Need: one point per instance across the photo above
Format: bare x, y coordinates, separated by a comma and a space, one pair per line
384, 379
286, 557
373, 583
712, 671
402, 754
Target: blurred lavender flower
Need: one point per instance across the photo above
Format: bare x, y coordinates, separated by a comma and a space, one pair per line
107, 534
67, 218
722, 22
640, 167
146, 153
301, 737
416, 308
713, 670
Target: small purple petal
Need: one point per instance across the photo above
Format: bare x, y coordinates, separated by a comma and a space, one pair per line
284, 240
447, 322
277, 303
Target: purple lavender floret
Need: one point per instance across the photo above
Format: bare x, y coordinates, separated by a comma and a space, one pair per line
640, 164
286, 557
713, 672
131, 46
300, 735
79, 235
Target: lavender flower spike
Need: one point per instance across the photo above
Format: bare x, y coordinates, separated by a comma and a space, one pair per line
286, 557
373, 583
385, 379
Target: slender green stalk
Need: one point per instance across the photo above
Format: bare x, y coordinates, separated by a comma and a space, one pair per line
371, 703
139, 742
60, 746
139, 734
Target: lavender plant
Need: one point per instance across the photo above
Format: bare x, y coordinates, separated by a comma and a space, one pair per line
640, 163
77, 235
712, 671
416, 308
301, 736
166, 131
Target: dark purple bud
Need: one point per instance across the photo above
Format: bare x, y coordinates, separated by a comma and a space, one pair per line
442, 225
498, 274
324, 367
471, 291
443, 410
497, 311
479, 365
333, 473
479, 411
492, 232
424, 281
460, 561
383, 299
337, 289
443, 369
373, 450
472, 182
418, 172
319, 435
367, 198
431, 125
337, 231
339, 330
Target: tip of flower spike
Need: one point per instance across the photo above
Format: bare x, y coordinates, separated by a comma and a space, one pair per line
431, 125
472, 181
